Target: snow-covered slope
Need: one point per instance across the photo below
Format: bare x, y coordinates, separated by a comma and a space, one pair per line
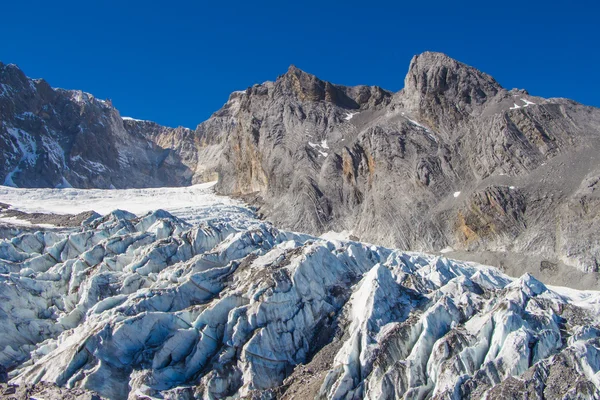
154, 306
193, 204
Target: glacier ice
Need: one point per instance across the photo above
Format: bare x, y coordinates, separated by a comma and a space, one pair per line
155, 306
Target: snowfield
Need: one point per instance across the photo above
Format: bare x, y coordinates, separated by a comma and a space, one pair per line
192, 204
201, 300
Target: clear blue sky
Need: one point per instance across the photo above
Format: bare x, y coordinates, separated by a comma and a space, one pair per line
175, 62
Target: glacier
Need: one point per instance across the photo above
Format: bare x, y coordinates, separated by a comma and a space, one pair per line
191, 295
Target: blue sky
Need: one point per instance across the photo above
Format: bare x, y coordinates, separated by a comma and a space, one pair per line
176, 62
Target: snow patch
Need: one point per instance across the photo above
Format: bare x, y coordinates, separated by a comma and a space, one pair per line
64, 184
333, 235
90, 165
417, 124
25, 143
5, 89
318, 146
22, 222
9, 180
26, 115
133, 119
55, 152
426, 129
527, 102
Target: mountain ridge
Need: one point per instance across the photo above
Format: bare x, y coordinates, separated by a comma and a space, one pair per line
316, 156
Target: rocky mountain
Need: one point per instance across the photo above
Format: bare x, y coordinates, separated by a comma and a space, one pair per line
452, 162
62, 138
152, 306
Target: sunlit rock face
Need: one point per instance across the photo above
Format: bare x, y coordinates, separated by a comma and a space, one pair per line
452, 161
129, 307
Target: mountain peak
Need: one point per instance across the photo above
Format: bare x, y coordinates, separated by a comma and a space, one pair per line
433, 73
307, 87
293, 70
306, 79
12, 72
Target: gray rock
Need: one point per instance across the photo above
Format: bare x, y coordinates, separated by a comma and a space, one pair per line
319, 158
43, 390
60, 138
451, 161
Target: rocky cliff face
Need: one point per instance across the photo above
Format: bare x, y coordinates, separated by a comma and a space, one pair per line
60, 138
453, 161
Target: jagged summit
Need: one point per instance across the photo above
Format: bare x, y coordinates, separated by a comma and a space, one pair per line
441, 91
432, 73
305, 86
432, 76
293, 70
9, 65
11, 74
429, 73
